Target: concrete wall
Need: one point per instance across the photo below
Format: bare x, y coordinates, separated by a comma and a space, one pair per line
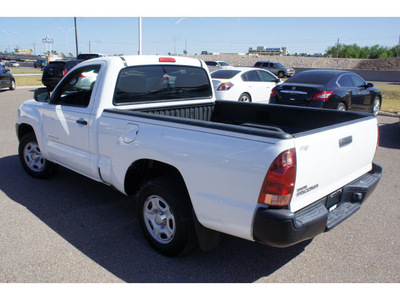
369, 75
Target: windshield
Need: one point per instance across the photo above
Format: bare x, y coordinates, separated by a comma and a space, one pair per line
159, 83
222, 63
224, 74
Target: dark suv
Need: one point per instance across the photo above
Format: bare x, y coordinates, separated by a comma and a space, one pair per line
85, 56
56, 70
276, 68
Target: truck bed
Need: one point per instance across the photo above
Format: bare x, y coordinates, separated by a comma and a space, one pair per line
269, 120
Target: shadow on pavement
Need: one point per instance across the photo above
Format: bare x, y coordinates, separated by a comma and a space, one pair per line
101, 223
389, 135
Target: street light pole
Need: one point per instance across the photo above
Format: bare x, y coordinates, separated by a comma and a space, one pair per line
66, 36
181, 19
9, 35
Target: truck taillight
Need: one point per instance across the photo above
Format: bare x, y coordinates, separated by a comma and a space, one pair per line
64, 72
273, 93
278, 185
377, 140
324, 96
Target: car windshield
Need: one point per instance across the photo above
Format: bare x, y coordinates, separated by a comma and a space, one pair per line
224, 74
222, 63
311, 78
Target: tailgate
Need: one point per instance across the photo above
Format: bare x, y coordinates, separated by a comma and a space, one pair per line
329, 158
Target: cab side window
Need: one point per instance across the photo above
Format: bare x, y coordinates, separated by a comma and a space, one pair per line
76, 89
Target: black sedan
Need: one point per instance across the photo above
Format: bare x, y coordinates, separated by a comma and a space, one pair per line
6, 79
334, 89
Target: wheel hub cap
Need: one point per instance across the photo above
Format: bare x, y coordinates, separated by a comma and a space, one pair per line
159, 219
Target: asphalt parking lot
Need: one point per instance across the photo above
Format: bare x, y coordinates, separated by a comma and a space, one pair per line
72, 229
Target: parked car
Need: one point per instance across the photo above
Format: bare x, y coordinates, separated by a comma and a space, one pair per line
6, 79
217, 65
85, 56
12, 64
335, 89
243, 84
40, 63
277, 68
56, 70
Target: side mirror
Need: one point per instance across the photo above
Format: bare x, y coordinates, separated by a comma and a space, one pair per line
369, 85
41, 95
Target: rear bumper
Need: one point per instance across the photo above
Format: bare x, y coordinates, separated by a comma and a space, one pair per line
283, 228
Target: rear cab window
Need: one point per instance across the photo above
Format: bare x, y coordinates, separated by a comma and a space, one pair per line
155, 83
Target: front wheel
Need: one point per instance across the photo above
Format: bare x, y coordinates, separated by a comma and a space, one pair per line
12, 85
341, 106
281, 74
32, 160
165, 216
376, 105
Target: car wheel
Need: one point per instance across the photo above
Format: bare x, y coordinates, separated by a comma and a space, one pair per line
341, 106
376, 105
32, 160
12, 85
245, 97
281, 74
165, 216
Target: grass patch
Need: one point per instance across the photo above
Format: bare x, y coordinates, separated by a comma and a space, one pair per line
391, 98
25, 70
28, 81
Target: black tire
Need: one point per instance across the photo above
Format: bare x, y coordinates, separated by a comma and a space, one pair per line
245, 97
165, 216
281, 74
376, 106
32, 160
341, 106
12, 85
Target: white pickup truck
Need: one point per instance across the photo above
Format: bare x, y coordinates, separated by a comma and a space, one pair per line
150, 127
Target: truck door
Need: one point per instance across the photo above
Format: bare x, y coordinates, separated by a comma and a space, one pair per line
67, 118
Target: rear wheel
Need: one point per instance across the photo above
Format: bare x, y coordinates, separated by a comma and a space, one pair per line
245, 97
165, 216
32, 160
281, 74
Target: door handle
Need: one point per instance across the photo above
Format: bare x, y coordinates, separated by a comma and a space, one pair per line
81, 122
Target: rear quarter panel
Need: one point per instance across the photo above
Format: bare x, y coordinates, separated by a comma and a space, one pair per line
223, 171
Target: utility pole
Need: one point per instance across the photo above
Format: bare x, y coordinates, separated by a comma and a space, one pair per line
337, 49
140, 36
398, 46
89, 48
76, 38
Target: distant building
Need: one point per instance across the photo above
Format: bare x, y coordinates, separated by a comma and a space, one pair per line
269, 51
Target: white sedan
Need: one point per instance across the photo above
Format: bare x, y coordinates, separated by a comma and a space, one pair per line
243, 84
